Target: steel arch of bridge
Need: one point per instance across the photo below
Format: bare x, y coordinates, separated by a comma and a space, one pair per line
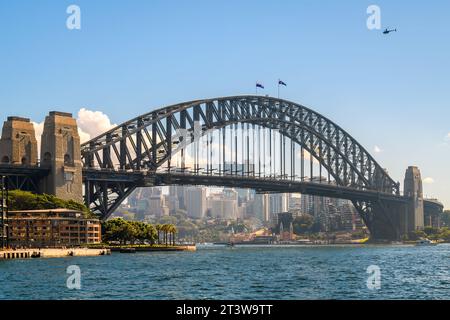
146, 142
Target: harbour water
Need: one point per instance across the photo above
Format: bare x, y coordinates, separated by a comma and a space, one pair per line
272, 272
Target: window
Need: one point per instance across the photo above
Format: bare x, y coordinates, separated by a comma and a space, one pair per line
67, 160
68, 176
47, 158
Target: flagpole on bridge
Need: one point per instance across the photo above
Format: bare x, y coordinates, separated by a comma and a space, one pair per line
280, 83
258, 85
278, 88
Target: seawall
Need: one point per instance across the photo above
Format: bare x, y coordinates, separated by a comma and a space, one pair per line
51, 253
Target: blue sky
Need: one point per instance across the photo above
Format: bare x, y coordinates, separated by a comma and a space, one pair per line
133, 56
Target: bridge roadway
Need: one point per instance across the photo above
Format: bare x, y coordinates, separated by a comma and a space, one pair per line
23, 177
259, 184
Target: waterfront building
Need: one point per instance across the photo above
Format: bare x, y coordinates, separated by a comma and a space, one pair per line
52, 228
285, 228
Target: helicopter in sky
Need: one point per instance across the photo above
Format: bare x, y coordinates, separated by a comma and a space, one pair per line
387, 31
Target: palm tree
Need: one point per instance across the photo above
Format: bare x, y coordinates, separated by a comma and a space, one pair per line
173, 231
169, 234
158, 229
165, 230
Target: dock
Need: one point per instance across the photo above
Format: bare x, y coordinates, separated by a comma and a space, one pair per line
51, 253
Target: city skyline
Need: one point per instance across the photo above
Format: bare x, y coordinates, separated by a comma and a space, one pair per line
375, 87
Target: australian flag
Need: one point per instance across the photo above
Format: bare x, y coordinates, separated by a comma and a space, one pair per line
259, 85
281, 83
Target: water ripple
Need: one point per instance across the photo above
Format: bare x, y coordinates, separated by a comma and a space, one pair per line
238, 273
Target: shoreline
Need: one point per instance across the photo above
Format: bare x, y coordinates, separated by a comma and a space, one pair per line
131, 249
31, 253
310, 245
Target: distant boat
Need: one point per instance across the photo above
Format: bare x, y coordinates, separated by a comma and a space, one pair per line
206, 244
425, 242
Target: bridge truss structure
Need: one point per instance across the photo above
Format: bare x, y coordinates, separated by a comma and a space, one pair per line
264, 143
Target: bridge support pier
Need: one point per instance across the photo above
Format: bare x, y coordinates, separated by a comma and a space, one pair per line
18, 144
393, 220
387, 220
413, 190
60, 151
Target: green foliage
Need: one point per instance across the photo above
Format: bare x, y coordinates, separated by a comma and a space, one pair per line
24, 200
445, 234
123, 231
238, 227
440, 234
416, 235
432, 234
303, 224
430, 231
446, 218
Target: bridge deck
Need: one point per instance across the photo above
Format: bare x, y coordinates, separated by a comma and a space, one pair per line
260, 184
22, 170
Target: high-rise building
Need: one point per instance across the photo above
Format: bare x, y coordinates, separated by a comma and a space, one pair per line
178, 192
224, 205
157, 203
259, 207
278, 203
350, 219
294, 202
196, 202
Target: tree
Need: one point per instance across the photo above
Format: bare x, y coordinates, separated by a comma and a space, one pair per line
303, 224
431, 231
125, 231
150, 233
446, 218
159, 229
117, 230
138, 231
172, 230
25, 200
165, 229
416, 235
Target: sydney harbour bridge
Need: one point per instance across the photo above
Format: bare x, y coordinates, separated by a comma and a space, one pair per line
263, 143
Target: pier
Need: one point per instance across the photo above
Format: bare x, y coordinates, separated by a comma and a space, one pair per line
51, 253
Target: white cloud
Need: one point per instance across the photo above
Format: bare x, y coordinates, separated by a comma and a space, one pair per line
428, 180
93, 123
447, 136
90, 124
377, 149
